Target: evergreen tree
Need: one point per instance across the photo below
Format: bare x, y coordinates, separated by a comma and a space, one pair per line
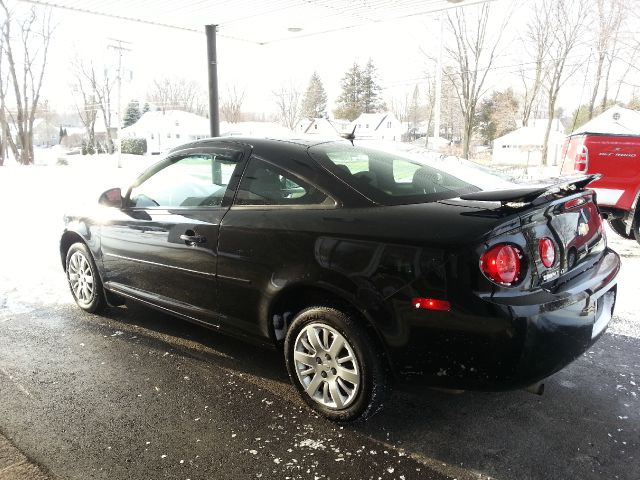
61, 134
314, 103
415, 111
146, 108
132, 114
349, 103
497, 115
370, 90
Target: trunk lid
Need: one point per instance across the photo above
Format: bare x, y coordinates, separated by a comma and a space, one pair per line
562, 211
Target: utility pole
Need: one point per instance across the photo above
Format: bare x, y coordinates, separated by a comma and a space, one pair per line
120, 49
438, 99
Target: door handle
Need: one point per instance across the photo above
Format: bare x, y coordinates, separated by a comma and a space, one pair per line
193, 239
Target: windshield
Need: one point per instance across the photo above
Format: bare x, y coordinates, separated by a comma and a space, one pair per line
401, 174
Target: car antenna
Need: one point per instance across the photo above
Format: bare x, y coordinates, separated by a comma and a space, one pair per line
350, 136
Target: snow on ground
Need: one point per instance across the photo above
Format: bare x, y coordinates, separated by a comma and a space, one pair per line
34, 199
626, 319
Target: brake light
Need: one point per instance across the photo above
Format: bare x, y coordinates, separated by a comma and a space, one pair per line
431, 304
501, 263
581, 163
547, 252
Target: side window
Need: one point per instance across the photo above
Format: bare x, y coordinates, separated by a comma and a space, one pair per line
265, 184
353, 163
192, 181
403, 171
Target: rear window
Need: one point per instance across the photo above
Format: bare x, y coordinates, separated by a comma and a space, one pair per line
393, 177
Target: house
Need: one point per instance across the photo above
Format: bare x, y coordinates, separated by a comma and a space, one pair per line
614, 121
46, 132
524, 145
378, 126
320, 126
323, 126
168, 129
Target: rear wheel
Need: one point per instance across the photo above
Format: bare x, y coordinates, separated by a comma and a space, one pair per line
618, 226
83, 278
335, 364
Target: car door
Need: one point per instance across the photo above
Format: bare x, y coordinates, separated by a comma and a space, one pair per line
163, 248
267, 238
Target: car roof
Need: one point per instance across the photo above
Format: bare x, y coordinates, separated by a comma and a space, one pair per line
303, 142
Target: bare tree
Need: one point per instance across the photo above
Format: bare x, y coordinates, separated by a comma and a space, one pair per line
610, 14
409, 109
288, 102
4, 85
399, 105
26, 57
568, 16
536, 42
87, 104
231, 105
174, 93
98, 84
473, 54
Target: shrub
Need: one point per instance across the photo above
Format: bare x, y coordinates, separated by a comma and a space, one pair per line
134, 146
87, 148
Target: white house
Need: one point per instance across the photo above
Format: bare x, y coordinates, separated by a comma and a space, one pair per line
614, 121
378, 126
168, 129
323, 126
524, 145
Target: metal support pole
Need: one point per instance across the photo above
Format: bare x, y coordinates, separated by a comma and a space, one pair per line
212, 65
438, 93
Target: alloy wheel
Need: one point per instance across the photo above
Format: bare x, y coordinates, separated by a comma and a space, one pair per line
81, 277
326, 366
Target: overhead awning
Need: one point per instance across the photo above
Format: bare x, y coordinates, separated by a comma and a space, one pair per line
258, 21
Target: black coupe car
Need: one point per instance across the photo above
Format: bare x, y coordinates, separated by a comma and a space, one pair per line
365, 264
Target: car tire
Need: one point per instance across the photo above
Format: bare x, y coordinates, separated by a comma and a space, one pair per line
635, 226
342, 381
618, 226
84, 279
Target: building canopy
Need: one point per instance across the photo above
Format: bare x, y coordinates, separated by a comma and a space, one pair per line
257, 21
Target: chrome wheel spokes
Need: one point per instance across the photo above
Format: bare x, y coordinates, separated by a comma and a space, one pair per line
326, 366
80, 277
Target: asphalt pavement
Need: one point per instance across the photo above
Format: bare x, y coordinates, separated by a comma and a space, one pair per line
135, 394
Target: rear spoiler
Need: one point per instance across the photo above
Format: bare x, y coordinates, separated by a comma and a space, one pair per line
520, 196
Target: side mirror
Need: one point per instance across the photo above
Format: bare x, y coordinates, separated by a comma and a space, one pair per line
111, 198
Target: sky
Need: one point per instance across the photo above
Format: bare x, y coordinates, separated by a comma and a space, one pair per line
397, 48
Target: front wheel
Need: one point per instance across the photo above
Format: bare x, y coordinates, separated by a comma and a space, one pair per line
83, 278
335, 364
618, 226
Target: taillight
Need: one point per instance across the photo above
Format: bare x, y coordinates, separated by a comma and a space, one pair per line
431, 304
501, 263
547, 251
581, 163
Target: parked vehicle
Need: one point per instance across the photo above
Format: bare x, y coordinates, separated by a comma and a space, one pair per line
617, 159
365, 265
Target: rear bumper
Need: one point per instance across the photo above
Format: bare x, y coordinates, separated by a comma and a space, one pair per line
515, 341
